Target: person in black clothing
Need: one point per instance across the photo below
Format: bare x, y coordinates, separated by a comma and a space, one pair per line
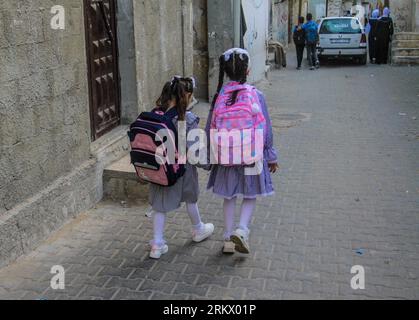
385, 31
300, 41
372, 35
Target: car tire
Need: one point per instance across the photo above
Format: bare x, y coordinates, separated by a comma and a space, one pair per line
363, 60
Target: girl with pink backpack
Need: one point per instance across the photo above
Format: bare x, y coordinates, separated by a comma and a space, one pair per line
173, 102
238, 106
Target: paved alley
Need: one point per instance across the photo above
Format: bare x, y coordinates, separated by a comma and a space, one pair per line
347, 195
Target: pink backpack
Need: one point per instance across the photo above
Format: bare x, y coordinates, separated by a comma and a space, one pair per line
237, 131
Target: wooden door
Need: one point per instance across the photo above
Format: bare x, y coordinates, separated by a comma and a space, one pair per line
102, 60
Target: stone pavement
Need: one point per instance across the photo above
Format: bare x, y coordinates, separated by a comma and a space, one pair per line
347, 195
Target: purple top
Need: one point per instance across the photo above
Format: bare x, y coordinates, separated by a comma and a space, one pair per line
270, 153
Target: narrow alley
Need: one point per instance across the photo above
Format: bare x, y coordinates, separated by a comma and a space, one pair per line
346, 195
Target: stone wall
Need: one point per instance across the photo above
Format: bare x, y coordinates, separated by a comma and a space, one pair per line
256, 15
44, 114
415, 20
295, 12
126, 45
296, 8
220, 37
200, 46
334, 8
164, 45
401, 12
280, 22
49, 170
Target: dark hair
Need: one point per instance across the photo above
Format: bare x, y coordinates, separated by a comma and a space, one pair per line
176, 89
236, 69
309, 17
300, 19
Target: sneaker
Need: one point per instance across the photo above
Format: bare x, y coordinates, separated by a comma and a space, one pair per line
149, 212
157, 251
241, 240
206, 231
312, 68
298, 68
229, 247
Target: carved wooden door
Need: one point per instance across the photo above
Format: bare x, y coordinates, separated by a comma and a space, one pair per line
102, 60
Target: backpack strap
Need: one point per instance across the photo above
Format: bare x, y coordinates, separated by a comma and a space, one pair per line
172, 113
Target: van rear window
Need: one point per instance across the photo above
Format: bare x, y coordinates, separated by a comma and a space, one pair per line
340, 26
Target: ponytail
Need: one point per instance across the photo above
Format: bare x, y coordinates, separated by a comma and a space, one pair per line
234, 95
176, 89
239, 73
179, 92
220, 81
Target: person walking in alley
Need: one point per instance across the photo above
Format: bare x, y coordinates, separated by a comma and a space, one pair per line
177, 96
371, 29
299, 41
239, 106
312, 38
385, 31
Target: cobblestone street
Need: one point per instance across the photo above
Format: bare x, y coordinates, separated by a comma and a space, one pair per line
347, 195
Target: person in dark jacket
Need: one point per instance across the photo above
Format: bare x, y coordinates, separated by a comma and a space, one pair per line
372, 34
385, 31
300, 41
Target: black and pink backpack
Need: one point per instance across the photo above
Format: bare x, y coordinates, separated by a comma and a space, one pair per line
151, 161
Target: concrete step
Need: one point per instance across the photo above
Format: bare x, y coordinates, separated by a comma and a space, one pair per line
405, 44
406, 36
120, 183
405, 52
404, 60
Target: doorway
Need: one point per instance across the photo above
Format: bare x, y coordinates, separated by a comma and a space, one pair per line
103, 70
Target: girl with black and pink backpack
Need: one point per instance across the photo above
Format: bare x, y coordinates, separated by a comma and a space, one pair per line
240, 107
172, 182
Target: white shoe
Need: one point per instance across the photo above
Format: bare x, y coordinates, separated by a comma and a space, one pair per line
229, 247
241, 240
206, 231
149, 212
157, 251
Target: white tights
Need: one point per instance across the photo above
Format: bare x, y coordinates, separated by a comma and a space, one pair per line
247, 209
159, 222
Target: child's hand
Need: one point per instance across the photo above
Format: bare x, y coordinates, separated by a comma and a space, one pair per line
273, 167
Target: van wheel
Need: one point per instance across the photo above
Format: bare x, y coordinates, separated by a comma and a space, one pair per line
363, 60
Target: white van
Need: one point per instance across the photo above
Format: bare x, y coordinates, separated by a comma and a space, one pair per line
342, 37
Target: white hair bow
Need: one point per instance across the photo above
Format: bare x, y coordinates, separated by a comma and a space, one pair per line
241, 52
178, 78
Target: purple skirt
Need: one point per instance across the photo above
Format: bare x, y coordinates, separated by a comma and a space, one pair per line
231, 182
